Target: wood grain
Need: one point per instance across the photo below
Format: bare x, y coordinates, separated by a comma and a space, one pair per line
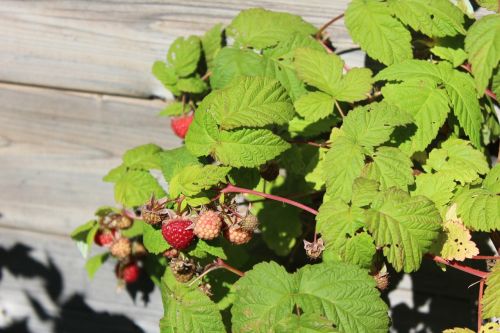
56, 146
109, 46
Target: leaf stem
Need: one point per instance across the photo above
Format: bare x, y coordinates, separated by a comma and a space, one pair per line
206, 76
327, 24
479, 306
339, 109
222, 264
488, 92
486, 258
230, 188
310, 143
459, 266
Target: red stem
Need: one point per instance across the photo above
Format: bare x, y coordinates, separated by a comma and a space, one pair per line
327, 24
234, 189
486, 258
222, 264
488, 92
459, 266
479, 306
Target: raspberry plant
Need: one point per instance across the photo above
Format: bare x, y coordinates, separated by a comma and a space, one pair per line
303, 181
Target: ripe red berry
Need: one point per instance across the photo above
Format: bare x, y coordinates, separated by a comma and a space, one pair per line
104, 237
208, 225
128, 273
176, 233
180, 125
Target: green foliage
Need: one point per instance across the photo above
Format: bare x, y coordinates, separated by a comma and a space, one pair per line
342, 293
94, 263
491, 299
396, 164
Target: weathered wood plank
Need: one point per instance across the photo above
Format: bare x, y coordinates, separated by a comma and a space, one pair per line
109, 46
50, 272
56, 146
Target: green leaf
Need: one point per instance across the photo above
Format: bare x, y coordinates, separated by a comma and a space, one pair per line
280, 226
187, 309
193, 85
359, 250
165, 74
427, 104
457, 160
184, 54
354, 86
336, 222
315, 106
135, 187
308, 129
319, 69
135, 230
364, 191
173, 109
252, 102
260, 28
455, 56
211, 43
482, 43
231, 63
203, 133
305, 323
342, 293
383, 37
492, 180
435, 187
489, 4
115, 174
203, 248
248, 147
491, 298
192, 179
174, 160
479, 209
435, 18
93, 264
343, 163
153, 239
143, 157
404, 226
459, 87
390, 167
84, 236
83, 229
372, 125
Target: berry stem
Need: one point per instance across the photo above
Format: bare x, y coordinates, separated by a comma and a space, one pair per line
459, 266
479, 306
310, 143
206, 76
486, 258
339, 109
234, 189
327, 24
222, 264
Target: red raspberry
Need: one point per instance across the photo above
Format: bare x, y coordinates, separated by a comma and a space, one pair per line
176, 233
104, 237
180, 125
128, 273
236, 235
208, 225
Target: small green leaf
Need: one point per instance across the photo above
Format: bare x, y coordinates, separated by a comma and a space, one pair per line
184, 54
364, 191
437, 18
435, 187
142, 157
94, 263
404, 226
135, 187
187, 309
203, 133
491, 298
383, 37
115, 174
212, 248
211, 43
153, 239
231, 63
482, 43
489, 4
492, 180
315, 106
174, 160
359, 250
455, 56
135, 230
83, 229
457, 160
165, 74
252, 102
479, 209
354, 86
84, 236
193, 85
260, 28
192, 179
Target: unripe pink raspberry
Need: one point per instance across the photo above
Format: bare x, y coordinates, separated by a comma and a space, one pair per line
208, 225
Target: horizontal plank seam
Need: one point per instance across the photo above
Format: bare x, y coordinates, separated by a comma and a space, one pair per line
39, 232
90, 92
